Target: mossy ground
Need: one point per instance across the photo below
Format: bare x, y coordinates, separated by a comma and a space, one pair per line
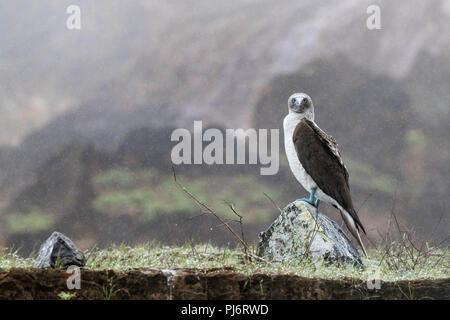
206, 256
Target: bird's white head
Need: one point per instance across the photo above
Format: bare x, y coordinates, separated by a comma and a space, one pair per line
301, 106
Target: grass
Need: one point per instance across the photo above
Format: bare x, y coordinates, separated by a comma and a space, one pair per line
207, 256
108, 290
10, 259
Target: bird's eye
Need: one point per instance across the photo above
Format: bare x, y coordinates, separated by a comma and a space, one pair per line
293, 101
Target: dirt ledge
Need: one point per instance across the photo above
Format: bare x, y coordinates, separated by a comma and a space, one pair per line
206, 284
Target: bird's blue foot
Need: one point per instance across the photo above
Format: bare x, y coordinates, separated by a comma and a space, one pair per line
312, 201
307, 200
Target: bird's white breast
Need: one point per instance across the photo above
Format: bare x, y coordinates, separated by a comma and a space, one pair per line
289, 124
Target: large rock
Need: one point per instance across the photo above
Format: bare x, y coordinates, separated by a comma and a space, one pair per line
59, 251
301, 231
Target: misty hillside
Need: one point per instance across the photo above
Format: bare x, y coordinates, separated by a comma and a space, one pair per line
128, 193
149, 54
117, 88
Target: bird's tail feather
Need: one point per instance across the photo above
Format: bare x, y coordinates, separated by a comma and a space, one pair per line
361, 244
352, 227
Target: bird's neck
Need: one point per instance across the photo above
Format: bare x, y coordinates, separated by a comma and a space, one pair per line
293, 118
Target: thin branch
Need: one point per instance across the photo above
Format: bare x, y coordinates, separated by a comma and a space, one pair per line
240, 224
212, 212
364, 202
273, 202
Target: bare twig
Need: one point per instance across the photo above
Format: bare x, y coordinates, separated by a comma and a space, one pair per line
401, 250
240, 224
364, 202
273, 202
213, 213
314, 233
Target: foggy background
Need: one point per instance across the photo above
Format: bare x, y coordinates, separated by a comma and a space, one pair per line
86, 115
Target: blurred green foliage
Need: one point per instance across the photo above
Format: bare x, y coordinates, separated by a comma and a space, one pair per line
32, 220
363, 175
147, 193
416, 138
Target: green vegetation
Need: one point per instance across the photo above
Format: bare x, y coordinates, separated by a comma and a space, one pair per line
416, 138
365, 176
120, 178
109, 291
147, 193
10, 259
32, 220
67, 295
206, 256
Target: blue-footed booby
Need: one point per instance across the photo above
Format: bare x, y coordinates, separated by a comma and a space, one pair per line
315, 161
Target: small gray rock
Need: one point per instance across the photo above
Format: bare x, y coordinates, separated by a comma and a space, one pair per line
300, 229
58, 250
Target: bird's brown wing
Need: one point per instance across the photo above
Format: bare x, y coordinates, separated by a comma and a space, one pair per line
319, 155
